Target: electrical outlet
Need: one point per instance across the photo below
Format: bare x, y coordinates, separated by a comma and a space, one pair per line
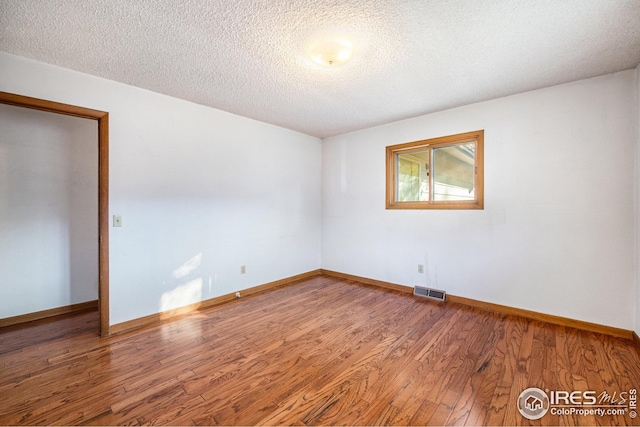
243, 269
117, 220
420, 268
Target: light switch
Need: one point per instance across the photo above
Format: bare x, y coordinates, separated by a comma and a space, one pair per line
117, 220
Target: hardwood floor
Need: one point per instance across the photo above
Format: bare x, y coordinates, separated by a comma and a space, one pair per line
320, 352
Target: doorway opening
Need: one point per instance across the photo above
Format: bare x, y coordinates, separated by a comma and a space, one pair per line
102, 118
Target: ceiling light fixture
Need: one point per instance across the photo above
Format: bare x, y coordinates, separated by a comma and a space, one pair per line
330, 52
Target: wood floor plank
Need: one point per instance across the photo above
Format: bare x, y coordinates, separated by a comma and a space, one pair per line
476, 416
492, 366
467, 401
498, 407
424, 413
325, 351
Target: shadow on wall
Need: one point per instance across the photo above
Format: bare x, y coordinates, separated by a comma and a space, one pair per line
188, 290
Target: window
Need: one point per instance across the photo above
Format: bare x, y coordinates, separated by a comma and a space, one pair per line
438, 173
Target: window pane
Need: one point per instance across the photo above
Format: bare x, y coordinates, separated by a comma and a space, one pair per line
412, 176
438, 173
453, 172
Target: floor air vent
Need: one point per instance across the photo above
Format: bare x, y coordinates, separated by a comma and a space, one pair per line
429, 293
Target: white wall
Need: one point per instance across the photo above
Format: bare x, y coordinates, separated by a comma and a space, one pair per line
201, 192
48, 210
556, 235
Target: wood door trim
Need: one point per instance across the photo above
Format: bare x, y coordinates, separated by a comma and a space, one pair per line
103, 185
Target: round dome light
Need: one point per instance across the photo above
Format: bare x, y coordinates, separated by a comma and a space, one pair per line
330, 53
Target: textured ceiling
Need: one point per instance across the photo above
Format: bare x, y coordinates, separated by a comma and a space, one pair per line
411, 56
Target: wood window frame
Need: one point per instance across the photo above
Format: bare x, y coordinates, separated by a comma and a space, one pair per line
393, 150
